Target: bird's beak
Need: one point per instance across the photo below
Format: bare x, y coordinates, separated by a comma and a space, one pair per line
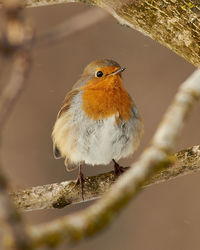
118, 71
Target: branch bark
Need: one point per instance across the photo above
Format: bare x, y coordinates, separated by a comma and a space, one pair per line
15, 86
17, 237
93, 219
173, 23
13, 33
70, 27
59, 195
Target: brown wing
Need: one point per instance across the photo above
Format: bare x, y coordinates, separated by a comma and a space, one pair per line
67, 101
56, 152
66, 105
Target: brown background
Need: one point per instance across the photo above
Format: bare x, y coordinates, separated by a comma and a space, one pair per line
162, 217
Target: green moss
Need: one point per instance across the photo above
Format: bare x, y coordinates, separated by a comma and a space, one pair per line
172, 23
51, 240
61, 202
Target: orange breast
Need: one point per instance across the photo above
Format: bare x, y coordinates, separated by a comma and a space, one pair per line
107, 97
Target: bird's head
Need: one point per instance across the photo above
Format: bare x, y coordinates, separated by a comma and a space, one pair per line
104, 71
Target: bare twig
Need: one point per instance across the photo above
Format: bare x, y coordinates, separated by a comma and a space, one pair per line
13, 89
18, 238
15, 236
71, 27
59, 195
12, 37
91, 220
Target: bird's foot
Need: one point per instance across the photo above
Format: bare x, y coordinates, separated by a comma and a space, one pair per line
80, 181
118, 170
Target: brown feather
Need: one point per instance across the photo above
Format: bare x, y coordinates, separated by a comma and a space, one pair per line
65, 107
56, 152
67, 101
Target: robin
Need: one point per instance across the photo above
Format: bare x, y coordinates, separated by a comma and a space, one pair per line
98, 121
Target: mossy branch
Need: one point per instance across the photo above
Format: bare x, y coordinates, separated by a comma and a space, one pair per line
59, 195
173, 23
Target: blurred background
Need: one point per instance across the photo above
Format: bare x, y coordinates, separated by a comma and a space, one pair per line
162, 217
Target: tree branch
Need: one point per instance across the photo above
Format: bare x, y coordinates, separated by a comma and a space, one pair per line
14, 87
93, 219
59, 195
173, 23
17, 237
13, 34
70, 27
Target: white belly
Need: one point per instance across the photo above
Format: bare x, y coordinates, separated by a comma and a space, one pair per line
100, 142
96, 142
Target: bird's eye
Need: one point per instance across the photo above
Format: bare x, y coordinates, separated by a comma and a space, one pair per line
99, 74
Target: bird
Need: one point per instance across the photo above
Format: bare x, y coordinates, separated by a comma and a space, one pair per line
98, 121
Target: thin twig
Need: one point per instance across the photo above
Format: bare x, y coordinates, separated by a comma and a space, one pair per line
13, 89
12, 37
91, 220
15, 236
71, 27
59, 195
8, 212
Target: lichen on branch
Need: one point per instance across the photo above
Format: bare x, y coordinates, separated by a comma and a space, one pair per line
173, 23
59, 195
